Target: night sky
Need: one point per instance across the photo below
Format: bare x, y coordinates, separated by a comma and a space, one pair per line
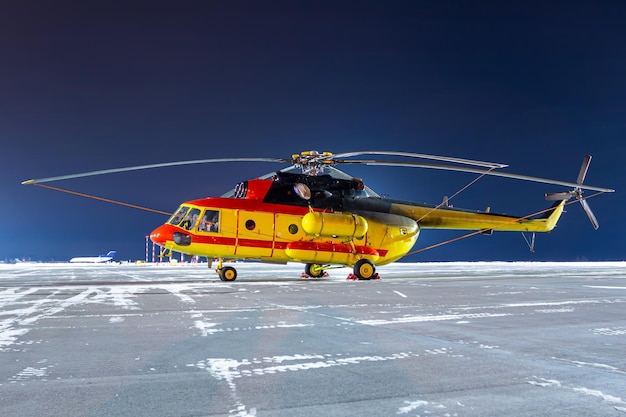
97, 85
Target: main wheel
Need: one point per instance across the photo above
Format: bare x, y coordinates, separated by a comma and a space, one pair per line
314, 270
228, 273
364, 269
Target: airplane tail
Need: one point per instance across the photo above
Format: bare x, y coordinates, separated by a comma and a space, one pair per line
110, 254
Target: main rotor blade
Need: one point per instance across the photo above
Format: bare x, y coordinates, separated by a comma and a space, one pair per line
150, 166
478, 171
422, 156
592, 218
583, 169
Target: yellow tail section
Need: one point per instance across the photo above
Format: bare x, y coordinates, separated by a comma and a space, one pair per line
553, 217
450, 218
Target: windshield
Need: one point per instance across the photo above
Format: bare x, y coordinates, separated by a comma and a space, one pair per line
187, 218
178, 216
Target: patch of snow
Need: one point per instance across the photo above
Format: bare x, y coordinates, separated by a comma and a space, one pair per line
411, 405
615, 331
442, 317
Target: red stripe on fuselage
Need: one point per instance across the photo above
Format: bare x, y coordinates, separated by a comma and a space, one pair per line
333, 247
213, 240
255, 243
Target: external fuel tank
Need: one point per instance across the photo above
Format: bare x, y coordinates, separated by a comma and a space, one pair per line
334, 224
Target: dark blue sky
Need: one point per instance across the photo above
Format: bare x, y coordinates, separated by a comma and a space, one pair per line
96, 85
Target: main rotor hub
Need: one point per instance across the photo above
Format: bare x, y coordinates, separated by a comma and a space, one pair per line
312, 162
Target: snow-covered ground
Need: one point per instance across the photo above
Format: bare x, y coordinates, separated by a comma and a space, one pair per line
428, 339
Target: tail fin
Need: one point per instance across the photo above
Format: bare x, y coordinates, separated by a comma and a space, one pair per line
552, 215
551, 210
111, 253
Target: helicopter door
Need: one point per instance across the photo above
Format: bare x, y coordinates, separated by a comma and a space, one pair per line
255, 234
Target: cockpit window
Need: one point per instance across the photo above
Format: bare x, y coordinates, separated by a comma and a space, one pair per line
210, 221
180, 214
190, 219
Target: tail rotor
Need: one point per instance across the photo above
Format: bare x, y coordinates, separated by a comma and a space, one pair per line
577, 193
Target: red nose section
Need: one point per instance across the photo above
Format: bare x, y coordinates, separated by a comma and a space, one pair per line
162, 234
167, 235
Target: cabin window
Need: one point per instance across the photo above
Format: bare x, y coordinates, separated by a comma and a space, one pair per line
250, 224
210, 221
293, 229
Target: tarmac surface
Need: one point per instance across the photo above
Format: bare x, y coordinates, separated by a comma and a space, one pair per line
440, 339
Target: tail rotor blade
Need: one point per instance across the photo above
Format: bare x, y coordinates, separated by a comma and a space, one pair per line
592, 218
558, 196
583, 170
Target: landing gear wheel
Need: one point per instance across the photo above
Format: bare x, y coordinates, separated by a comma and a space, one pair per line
314, 270
228, 273
364, 269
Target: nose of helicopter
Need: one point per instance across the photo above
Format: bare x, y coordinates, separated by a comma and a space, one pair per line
168, 235
161, 235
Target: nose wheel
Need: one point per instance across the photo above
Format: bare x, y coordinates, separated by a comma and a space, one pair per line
226, 273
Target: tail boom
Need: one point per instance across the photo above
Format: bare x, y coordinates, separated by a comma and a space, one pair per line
458, 219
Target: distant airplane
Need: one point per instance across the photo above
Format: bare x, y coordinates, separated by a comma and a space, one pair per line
94, 259
20, 261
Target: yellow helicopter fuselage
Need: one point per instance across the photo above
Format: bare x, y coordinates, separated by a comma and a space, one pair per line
268, 232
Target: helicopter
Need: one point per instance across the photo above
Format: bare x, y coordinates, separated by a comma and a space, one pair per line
324, 218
